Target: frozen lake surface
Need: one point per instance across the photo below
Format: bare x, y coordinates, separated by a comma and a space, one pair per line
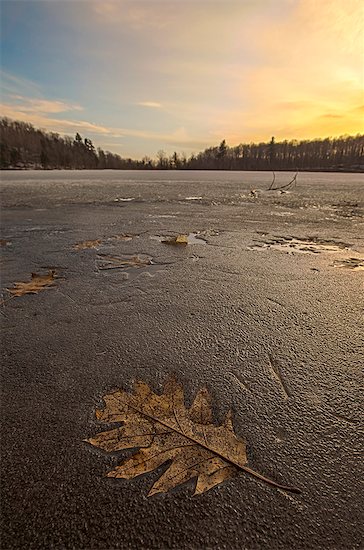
109, 185
262, 302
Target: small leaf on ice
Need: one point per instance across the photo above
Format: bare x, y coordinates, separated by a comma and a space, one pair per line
87, 244
178, 240
37, 283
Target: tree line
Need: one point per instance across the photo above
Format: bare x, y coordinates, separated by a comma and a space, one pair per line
22, 146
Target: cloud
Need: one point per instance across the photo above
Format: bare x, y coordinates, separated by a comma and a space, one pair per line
22, 99
331, 115
152, 104
139, 15
359, 109
178, 137
40, 120
11, 84
30, 105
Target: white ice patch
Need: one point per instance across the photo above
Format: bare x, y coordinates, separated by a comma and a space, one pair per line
126, 199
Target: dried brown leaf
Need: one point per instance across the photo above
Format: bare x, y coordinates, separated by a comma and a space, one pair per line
4, 242
178, 240
37, 283
87, 244
97, 242
163, 429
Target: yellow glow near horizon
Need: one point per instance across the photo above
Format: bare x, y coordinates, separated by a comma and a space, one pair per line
310, 83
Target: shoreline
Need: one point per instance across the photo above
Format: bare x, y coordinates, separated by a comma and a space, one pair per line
306, 170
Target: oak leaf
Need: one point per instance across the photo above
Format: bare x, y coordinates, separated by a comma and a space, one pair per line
35, 285
165, 430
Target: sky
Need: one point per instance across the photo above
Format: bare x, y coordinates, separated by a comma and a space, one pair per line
139, 76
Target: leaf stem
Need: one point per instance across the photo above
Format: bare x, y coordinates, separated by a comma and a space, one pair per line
245, 468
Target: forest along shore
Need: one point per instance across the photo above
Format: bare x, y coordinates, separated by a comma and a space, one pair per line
24, 147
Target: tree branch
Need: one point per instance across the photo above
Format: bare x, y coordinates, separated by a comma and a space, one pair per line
273, 180
287, 185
